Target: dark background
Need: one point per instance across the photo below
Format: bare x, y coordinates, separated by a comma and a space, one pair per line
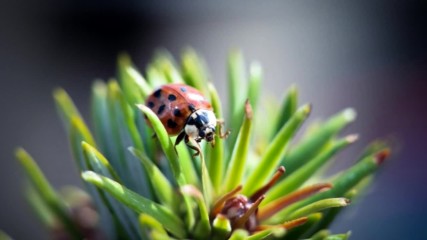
370, 55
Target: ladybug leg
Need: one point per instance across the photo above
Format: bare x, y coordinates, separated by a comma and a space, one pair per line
220, 123
213, 143
179, 139
193, 145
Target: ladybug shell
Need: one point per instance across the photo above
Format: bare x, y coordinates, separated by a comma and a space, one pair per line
174, 103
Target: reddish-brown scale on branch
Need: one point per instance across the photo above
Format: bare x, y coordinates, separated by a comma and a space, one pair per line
241, 211
235, 209
273, 207
249, 219
248, 109
287, 225
267, 186
381, 156
220, 202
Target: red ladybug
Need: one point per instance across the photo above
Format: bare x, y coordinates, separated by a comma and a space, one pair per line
185, 112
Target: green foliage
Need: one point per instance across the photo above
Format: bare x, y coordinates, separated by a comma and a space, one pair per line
144, 188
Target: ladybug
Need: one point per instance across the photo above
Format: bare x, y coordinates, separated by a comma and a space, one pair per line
185, 112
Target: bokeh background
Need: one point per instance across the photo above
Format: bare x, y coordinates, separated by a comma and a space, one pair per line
370, 55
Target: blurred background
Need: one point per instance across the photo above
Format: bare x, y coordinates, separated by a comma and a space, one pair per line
370, 55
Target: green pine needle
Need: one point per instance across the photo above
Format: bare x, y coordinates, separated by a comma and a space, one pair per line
142, 186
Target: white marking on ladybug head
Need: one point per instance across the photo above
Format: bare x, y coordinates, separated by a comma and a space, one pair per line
201, 125
192, 131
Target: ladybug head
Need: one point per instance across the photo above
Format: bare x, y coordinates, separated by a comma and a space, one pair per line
201, 125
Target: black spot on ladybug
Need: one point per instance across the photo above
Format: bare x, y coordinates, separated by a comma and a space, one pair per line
171, 97
161, 109
192, 107
150, 104
183, 89
158, 93
171, 123
176, 112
